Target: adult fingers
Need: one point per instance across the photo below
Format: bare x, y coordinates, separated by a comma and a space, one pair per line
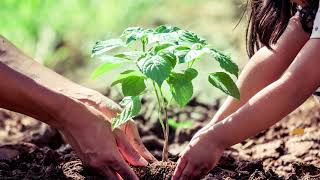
122, 168
187, 172
127, 151
131, 130
119, 177
103, 169
107, 172
181, 164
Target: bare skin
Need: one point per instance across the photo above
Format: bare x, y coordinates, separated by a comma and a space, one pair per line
270, 87
265, 67
81, 114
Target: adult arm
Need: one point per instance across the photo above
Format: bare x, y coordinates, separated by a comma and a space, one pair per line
79, 113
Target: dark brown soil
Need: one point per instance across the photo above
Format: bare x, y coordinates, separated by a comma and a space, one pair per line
157, 171
32, 150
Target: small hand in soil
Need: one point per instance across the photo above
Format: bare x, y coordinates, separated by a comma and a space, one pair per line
200, 156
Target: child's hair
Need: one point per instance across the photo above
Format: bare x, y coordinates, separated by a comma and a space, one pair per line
269, 18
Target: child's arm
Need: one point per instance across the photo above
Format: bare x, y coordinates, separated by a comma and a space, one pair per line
265, 67
263, 110
277, 100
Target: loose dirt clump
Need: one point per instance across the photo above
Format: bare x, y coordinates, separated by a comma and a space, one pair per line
157, 171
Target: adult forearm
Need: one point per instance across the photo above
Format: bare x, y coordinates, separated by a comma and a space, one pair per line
22, 94
28, 87
23, 64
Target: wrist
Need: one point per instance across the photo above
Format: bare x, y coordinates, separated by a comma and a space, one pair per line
47, 105
219, 138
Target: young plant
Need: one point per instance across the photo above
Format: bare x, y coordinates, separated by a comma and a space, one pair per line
161, 51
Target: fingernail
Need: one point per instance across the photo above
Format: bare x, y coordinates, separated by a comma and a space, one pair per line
143, 161
151, 157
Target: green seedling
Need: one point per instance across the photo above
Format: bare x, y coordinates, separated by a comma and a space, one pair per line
156, 55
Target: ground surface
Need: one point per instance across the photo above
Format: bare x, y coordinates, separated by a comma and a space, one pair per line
32, 150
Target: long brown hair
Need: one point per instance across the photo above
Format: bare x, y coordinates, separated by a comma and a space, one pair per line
269, 18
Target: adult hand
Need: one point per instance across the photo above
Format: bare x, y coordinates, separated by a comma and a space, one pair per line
128, 131
87, 127
200, 156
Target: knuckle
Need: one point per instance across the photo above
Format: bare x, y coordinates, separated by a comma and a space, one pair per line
117, 166
94, 163
110, 160
132, 123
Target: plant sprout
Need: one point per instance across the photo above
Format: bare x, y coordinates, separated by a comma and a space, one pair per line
161, 51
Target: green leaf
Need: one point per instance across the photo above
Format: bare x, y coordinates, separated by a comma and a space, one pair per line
224, 82
161, 47
190, 37
132, 82
192, 55
190, 74
156, 68
164, 34
166, 29
111, 59
133, 85
226, 62
181, 54
183, 124
104, 68
180, 51
182, 48
125, 75
104, 46
132, 55
163, 38
131, 108
133, 34
181, 86
170, 58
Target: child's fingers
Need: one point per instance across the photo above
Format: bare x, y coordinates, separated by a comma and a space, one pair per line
181, 164
199, 172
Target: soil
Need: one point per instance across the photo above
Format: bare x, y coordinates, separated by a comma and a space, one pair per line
32, 150
157, 171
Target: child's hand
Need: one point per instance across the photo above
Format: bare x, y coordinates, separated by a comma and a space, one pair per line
201, 155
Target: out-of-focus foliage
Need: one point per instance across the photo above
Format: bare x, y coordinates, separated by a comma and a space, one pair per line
61, 33
39, 26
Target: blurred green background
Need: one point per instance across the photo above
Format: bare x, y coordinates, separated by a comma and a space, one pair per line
61, 33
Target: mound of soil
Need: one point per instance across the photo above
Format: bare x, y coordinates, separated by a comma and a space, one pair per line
32, 150
227, 168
